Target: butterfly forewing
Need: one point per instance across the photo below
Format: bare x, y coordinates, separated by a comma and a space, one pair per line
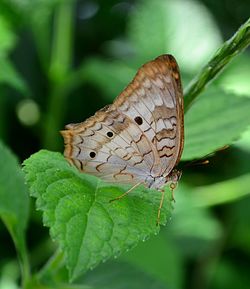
155, 98
138, 138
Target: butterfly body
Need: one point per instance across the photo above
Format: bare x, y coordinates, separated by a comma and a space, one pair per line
139, 138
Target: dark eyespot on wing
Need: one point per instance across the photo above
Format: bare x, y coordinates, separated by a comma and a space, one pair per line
110, 134
138, 120
92, 154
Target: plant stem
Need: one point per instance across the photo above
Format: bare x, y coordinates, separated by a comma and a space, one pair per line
22, 253
230, 49
25, 266
61, 59
51, 267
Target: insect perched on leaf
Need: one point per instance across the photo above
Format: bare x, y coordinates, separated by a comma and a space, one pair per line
139, 138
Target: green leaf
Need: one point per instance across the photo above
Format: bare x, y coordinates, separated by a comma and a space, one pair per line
235, 78
239, 216
159, 257
81, 218
222, 192
14, 201
229, 274
114, 275
7, 37
196, 229
38, 15
98, 71
223, 56
10, 76
215, 120
176, 27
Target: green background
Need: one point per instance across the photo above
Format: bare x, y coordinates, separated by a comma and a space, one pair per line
60, 61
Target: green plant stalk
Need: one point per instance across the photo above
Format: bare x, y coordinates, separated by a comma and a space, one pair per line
47, 273
230, 49
24, 264
41, 34
61, 59
51, 267
22, 253
3, 121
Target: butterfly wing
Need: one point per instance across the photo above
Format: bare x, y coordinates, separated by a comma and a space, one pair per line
154, 100
138, 137
109, 145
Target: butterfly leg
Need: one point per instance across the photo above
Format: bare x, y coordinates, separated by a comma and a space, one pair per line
126, 193
160, 206
173, 179
172, 188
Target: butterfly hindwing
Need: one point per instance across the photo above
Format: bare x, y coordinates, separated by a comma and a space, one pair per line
110, 146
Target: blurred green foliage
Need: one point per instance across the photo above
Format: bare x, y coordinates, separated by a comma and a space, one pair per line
60, 61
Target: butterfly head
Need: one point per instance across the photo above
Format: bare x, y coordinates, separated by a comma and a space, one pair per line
174, 176
160, 181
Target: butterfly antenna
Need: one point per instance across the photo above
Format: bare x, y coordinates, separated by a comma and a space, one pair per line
204, 160
197, 163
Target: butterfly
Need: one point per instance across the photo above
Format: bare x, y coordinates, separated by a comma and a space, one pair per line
139, 138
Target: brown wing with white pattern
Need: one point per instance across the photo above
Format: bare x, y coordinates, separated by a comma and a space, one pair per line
140, 136
154, 100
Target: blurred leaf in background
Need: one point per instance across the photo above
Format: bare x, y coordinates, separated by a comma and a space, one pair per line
14, 205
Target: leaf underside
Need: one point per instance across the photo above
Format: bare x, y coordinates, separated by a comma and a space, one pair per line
215, 120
